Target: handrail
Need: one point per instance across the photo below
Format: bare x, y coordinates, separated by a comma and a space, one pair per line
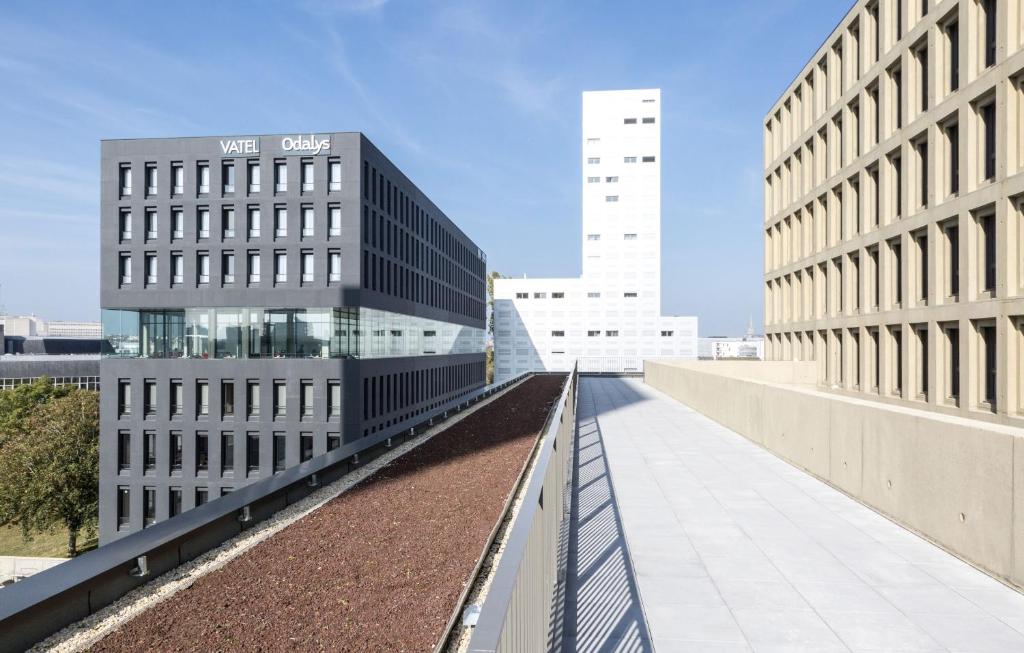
34, 608
529, 558
521, 478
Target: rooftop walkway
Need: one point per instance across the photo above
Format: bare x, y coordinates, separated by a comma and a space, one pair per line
728, 548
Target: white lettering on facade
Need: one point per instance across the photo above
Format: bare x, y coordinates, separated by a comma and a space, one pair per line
240, 146
307, 144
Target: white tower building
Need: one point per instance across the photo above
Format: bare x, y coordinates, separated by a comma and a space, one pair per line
609, 318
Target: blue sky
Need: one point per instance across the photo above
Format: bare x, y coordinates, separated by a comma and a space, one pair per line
477, 102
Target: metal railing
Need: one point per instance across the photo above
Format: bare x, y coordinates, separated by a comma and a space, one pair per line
43, 604
516, 613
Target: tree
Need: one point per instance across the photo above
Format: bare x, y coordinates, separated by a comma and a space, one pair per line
490, 299
490, 322
18, 403
49, 467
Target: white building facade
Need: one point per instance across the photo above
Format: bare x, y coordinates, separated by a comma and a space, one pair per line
609, 319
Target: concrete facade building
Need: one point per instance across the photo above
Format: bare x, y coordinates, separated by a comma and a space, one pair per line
267, 299
610, 317
894, 208
32, 326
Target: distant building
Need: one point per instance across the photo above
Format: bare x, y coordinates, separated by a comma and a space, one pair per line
750, 346
27, 352
722, 347
33, 326
80, 370
609, 319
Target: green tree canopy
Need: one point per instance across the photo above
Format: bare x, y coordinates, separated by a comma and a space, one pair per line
49, 463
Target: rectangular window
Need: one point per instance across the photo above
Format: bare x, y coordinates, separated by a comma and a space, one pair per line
175, 444
987, 251
252, 398
202, 178
252, 453
953, 157
334, 265
254, 267
307, 176
203, 222
227, 222
227, 453
920, 55
648, 159
280, 399
203, 267
125, 269
125, 175
124, 451
987, 113
202, 398
254, 222
896, 165
952, 234
202, 496
988, 20
177, 224
280, 176
152, 268
333, 399
152, 230
334, 221
177, 179
334, 175
896, 275
307, 221
280, 452
952, 337
227, 398
174, 502
988, 359
124, 506
202, 451
148, 506
254, 176
921, 332
227, 174
952, 34
280, 222
280, 267
922, 172
921, 246
307, 267
333, 441
149, 399
228, 267
558, 334
592, 334
125, 222
176, 397
897, 362
305, 447
306, 397
124, 398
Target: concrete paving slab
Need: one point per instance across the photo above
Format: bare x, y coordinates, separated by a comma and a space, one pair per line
728, 548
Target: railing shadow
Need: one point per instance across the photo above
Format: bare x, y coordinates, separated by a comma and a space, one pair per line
602, 610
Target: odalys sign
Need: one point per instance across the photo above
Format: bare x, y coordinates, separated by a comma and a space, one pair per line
308, 144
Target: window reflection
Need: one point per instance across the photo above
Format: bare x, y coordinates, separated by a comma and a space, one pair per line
282, 333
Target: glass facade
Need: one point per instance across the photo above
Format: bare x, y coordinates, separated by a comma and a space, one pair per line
282, 333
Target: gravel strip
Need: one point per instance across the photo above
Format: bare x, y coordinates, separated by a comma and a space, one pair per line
378, 568
85, 633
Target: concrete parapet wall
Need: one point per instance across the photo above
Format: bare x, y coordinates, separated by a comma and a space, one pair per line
958, 482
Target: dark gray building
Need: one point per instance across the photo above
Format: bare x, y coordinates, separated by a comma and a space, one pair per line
80, 370
266, 299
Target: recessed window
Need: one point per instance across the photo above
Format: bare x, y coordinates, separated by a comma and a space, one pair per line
203, 222
307, 176
648, 159
558, 334
648, 121
177, 179
987, 251
253, 169
202, 178
593, 180
540, 295
227, 172
522, 295
629, 121
593, 160
177, 268
334, 175
151, 180
628, 236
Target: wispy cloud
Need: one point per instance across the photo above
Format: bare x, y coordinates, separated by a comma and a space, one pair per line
334, 7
